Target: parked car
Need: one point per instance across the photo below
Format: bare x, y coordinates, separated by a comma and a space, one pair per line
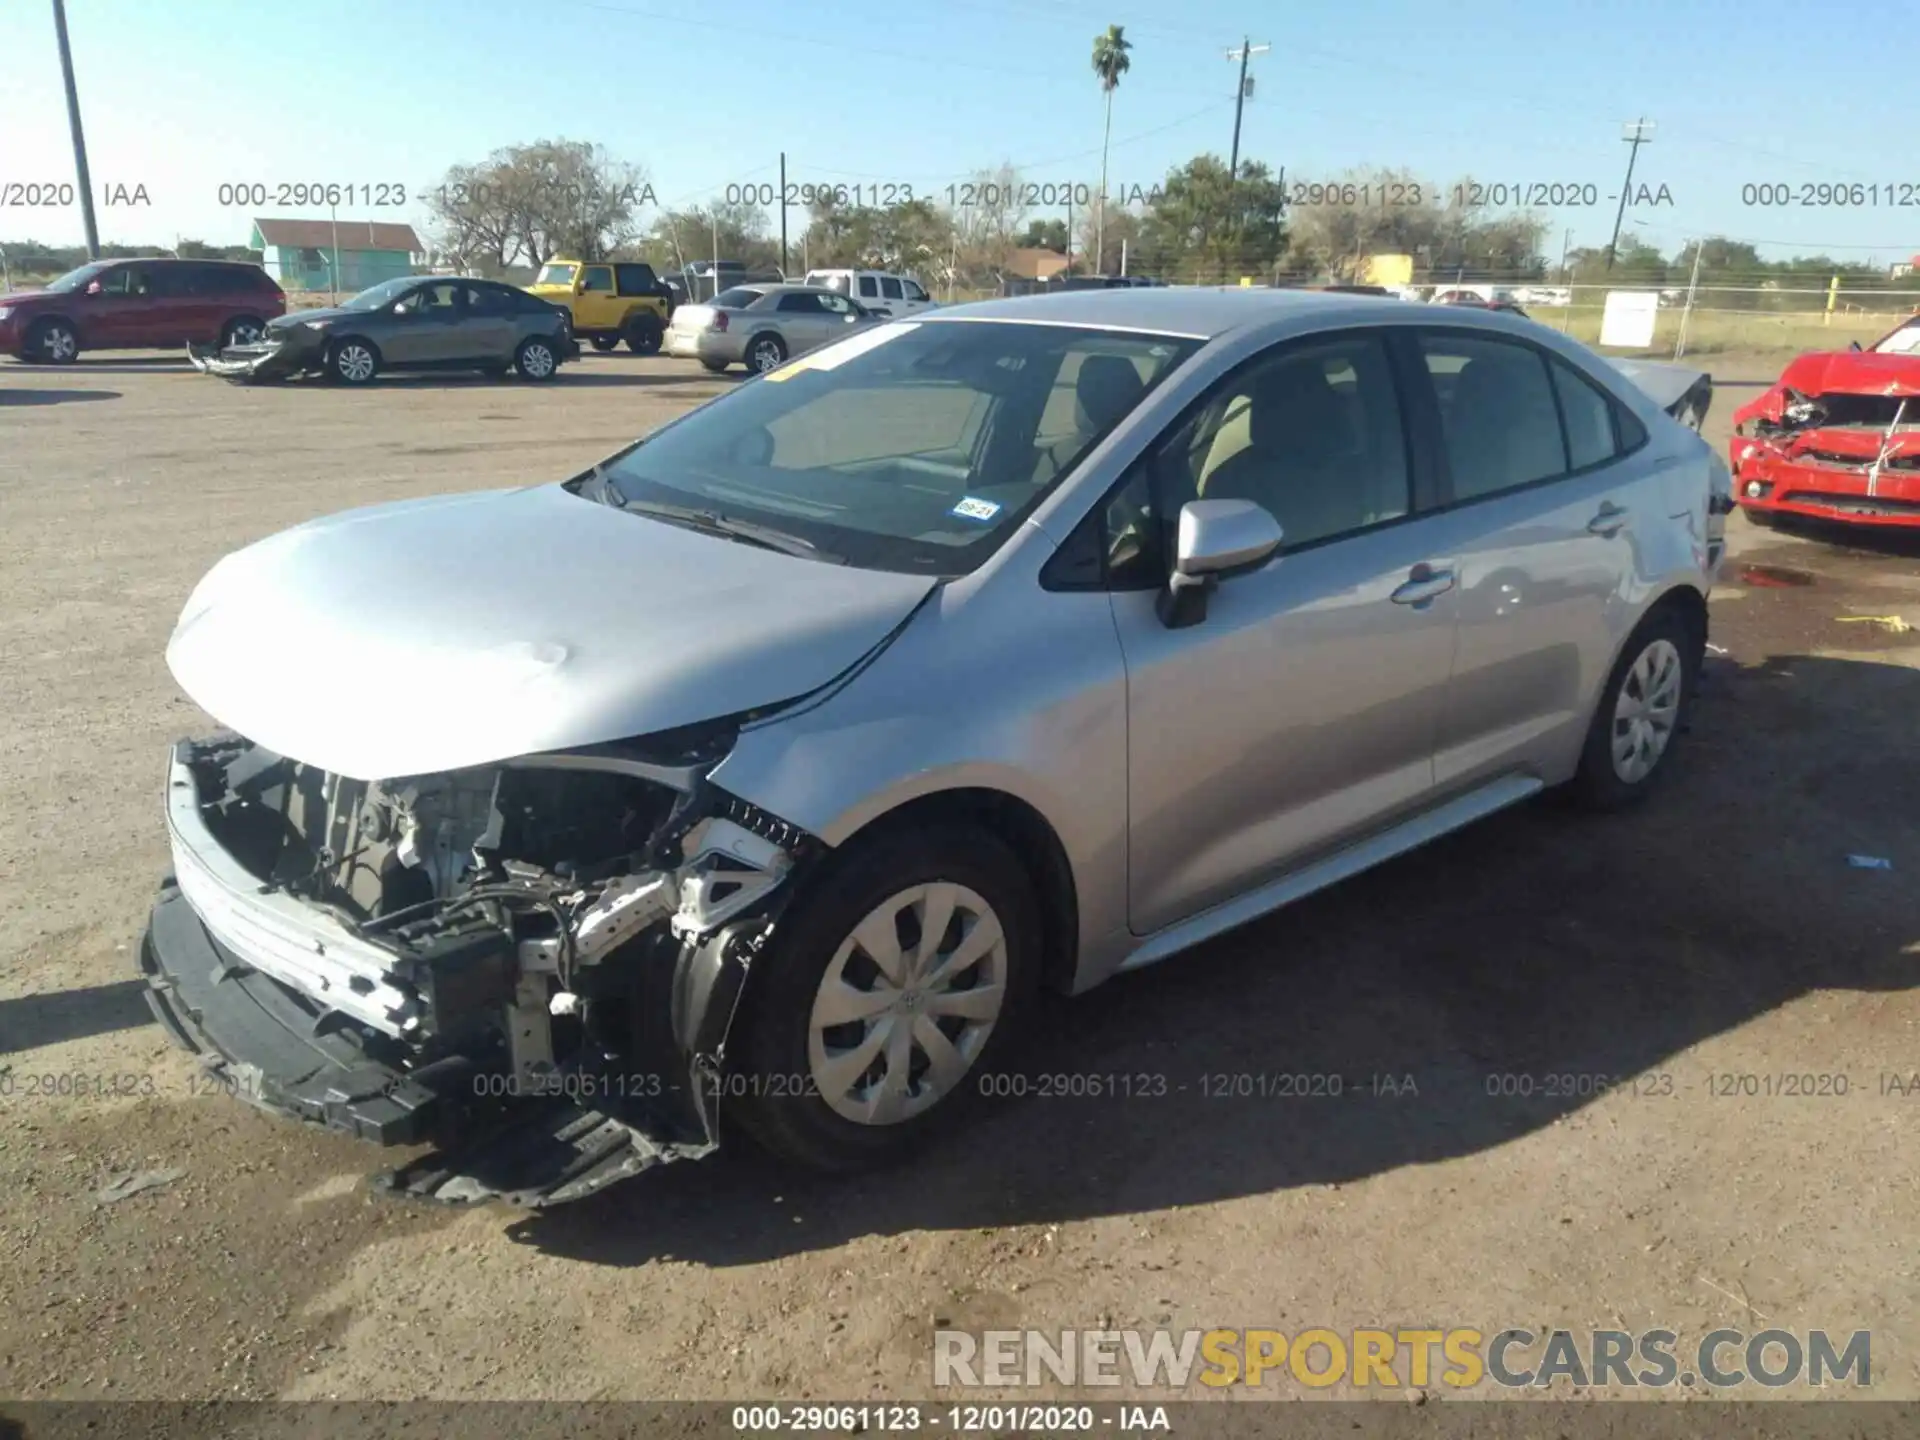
880, 291
1031, 641
610, 302
1476, 298
1837, 437
704, 279
416, 322
759, 326
146, 304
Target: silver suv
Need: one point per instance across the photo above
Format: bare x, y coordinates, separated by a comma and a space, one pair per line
776, 763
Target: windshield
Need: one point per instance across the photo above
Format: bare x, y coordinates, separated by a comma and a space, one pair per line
74, 279
738, 298
910, 447
555, 275
385, 293
1904, 341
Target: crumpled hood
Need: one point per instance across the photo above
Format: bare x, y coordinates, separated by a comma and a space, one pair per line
294, 318
430, 635
1834, 372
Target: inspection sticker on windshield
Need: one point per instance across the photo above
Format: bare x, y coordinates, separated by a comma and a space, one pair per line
972, 509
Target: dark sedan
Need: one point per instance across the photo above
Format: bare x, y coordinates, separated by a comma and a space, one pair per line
417, 322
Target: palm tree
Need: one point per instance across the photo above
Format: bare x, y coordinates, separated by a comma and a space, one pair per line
1109, 64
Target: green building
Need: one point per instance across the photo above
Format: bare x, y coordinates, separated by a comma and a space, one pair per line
302, 254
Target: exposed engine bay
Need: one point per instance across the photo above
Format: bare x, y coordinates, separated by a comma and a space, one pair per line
1838, 436
571, 928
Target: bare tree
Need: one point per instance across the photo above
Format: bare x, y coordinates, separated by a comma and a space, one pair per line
525, 204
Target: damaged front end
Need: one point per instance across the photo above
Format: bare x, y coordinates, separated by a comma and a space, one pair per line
1837, 439
530, 965
280, 356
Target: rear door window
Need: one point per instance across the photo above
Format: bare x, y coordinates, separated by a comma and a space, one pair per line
1498, 415
635, 279
889, 288
485, 300
1588, 416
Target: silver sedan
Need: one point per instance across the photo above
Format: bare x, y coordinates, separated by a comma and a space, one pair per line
777, 762
760, 326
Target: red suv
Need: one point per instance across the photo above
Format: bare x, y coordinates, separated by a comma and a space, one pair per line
140, 304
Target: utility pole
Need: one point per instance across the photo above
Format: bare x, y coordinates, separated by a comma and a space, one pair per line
783, 212
1636, 134
1246, 51
79, 138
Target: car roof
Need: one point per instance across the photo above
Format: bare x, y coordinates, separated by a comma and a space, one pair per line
1197, 312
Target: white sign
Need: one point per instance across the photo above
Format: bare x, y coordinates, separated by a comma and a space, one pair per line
1627, 323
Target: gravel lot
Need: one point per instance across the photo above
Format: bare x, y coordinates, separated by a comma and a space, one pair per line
1718, 931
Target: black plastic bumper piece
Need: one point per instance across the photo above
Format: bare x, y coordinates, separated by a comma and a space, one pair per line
275, 1050
281, 1053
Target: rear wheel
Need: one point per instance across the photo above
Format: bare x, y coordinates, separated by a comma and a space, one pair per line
536, 359
897, 986
242, 330
54, 341
353, 361
1645, 702
643, 335
767, 352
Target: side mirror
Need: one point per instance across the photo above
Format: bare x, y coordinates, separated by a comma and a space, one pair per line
1854, 346
1217, 538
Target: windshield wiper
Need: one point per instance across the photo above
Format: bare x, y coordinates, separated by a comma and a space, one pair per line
712, 522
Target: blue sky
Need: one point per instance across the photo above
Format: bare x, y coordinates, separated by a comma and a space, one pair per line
182, 96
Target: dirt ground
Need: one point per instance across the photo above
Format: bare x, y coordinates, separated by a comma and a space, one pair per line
1718, 931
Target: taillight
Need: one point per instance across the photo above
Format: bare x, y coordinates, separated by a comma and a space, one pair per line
719, 321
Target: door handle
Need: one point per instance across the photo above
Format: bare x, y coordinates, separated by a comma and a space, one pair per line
1609, 521
1424, 585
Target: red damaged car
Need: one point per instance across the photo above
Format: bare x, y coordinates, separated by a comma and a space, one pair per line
1837, 438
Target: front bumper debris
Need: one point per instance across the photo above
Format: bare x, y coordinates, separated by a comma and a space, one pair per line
272, 1047
267, 360
544, 1051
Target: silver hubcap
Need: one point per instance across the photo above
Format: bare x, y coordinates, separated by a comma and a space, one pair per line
537, 360
61, 343
907, 1004
355, 362
765, 356
1644, 714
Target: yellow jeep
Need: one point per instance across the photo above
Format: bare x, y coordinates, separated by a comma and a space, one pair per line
610, 301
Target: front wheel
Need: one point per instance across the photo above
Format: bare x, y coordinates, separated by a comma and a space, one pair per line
54, 341
354, 361
718, 367
604, 343
767, 352
536, 360
1641, 711
888, 999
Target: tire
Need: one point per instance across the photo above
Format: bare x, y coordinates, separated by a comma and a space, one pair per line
54, 342
242, 330
718, 367
766, 352
1655, 677
643, 335
537, 360
353, 361
795, 1091
604, 343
